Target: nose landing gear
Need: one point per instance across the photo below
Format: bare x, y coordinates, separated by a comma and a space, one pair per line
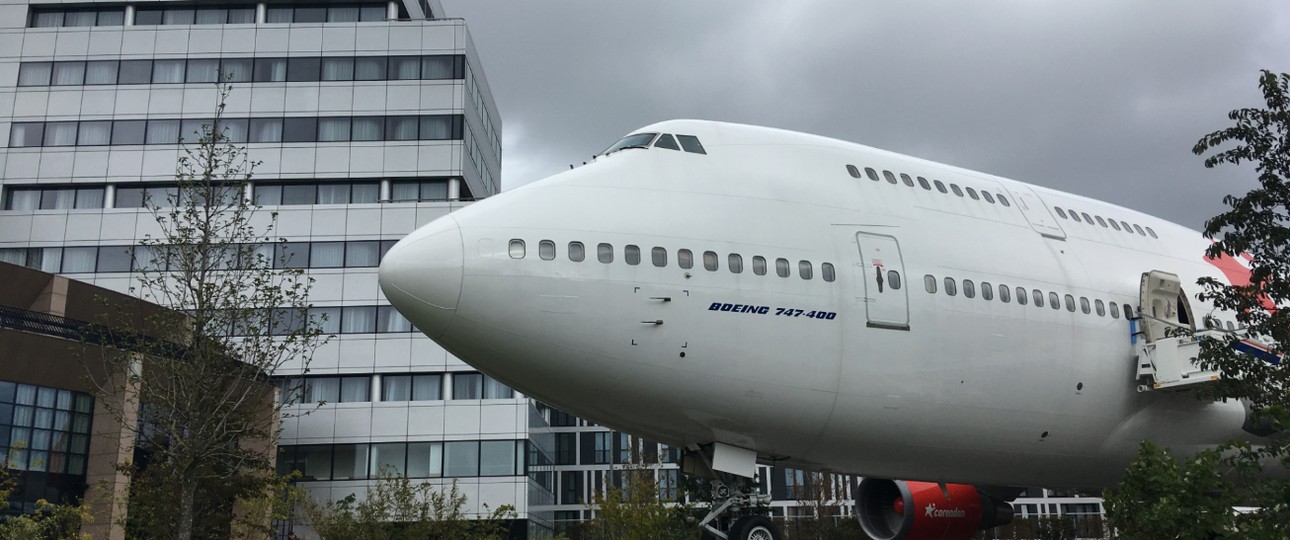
735, 498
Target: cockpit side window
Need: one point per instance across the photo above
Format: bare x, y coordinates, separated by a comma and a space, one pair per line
666, 141
635, 140
691, 144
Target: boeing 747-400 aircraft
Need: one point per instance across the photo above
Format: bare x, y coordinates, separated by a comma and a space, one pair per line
754, 294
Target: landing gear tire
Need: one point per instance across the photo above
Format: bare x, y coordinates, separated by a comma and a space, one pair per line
754, 528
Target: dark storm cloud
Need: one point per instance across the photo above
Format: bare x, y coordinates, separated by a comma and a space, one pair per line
1100, 98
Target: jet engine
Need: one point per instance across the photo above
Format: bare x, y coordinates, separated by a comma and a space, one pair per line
899, 510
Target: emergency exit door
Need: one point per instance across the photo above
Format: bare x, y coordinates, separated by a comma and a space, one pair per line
883, 272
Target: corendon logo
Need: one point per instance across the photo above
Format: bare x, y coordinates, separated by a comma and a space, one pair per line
933, 512
1237, 273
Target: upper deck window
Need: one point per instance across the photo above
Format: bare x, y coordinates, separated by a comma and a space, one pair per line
691, 144
635, 140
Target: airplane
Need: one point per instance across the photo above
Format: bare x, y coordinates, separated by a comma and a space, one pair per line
754, 295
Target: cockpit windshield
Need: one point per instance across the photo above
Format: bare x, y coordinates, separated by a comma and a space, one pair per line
635, 140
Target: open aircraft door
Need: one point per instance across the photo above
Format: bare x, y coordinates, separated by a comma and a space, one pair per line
883, 272
1037, 213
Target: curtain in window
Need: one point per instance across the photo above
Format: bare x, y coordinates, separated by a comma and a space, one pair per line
268, 195
327, 319
34, 73
203, 71
167, 71
236, 70
436, 128
436, 67
234, 130
80, 18
327, 255
342, 14
60, 133
266, 130
270, 69
94, 133
425, 460
69, 74
355, 389
367, 129
16, 256
322, 389
405, 191
47, 19
79, 260
467, 386
23, 199
177, 16
57, 199
333, 129
111, 17
401, 128
338, 69
405, 67
364, 193
362, 254
427, 387
370, 68
333, 194
89, 198
279, 15
26, 134
391, 321
368, 13
434, 191
100, 72
211, 16
241, 15
396, 388
358, 320
495, 389
47, 259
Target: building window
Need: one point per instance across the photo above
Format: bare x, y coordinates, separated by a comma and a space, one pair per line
467, 386
254, 130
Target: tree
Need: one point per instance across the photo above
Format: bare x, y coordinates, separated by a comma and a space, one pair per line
397, 509
634, 510
195, 391
1194, 497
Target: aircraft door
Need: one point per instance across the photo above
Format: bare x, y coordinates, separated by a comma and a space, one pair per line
883, 272
1041, 220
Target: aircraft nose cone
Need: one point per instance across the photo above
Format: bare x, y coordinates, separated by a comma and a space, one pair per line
421, 275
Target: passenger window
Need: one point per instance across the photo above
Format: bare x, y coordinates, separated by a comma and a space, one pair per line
685, 259
659, 256
710, 261
516, 249
735, 262
546, 250
1115, 312
1021, 296
1152, 233
759, 265
929, 283
1128, 311
922, 182
853, 171
906, 179
872, 174
956, 189
1005, 294
1038, 297
827, 272
805, 270
577, 252
1114, 225
632, 254
969, 288
666, 141
1004, 200
1100, 221
1060, 212
1087, 219
1101, 308
951, 288
940, 186
1231, 327
1075, 216
691, 144
891, 178
1083, 305
781, 267
988, 197
1055, 301
1136, 227
605, 253
893, 279
987, 291
972, 193
1127, 228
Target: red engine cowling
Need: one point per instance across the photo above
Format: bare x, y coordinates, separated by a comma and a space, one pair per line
898, 510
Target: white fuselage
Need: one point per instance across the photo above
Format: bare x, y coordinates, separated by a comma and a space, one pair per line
961, 390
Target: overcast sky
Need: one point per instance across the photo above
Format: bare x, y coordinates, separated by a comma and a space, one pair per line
1103, 98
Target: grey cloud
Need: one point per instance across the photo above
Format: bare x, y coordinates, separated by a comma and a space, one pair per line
1101, 98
